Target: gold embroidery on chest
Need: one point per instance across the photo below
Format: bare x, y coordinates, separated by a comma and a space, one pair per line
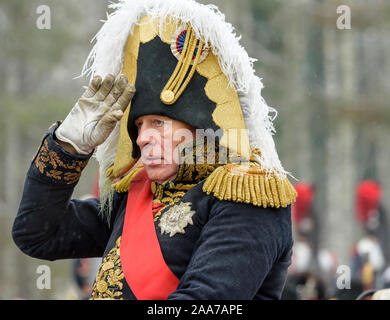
108, 284
176, 218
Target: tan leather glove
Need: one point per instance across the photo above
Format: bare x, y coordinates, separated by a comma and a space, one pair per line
96, 113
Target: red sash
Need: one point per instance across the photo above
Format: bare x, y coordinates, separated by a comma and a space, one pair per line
143, 264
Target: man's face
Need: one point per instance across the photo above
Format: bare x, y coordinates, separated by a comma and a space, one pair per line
158, 140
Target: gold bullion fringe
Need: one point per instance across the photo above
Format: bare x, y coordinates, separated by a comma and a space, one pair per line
123, 185
239, 183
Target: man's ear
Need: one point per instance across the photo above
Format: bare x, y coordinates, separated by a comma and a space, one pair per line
184, 135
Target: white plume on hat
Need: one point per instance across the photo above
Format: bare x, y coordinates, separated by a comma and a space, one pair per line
207, 21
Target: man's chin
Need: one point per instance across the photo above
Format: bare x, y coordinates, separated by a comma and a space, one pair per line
161, 172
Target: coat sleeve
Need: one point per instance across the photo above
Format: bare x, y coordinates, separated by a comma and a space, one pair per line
236, 252
49, 225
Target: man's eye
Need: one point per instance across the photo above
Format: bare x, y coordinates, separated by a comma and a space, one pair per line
159, 123
138, 124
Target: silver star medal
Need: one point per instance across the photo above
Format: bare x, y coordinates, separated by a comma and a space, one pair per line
176, 218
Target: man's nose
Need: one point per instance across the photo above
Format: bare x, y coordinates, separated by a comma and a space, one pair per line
146, 135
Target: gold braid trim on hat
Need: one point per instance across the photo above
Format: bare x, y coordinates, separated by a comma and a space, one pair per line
249, 184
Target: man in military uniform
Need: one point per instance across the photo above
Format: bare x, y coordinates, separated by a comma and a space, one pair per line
194, 203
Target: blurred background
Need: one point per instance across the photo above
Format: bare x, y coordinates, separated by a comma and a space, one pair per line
331, 89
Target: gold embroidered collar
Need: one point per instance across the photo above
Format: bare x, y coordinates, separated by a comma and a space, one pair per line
197, 160
227, 177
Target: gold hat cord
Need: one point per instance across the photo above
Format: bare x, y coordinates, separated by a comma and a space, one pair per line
175, 85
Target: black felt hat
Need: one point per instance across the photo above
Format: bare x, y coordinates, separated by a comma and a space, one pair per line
155, 65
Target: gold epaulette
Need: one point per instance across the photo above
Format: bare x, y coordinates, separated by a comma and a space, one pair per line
124, 184
250, 184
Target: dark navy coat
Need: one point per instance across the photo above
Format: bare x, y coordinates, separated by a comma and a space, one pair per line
231, 251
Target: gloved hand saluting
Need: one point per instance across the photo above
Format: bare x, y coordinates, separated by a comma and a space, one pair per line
96, 113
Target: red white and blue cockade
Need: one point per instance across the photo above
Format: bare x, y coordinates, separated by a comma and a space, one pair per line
178, 41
